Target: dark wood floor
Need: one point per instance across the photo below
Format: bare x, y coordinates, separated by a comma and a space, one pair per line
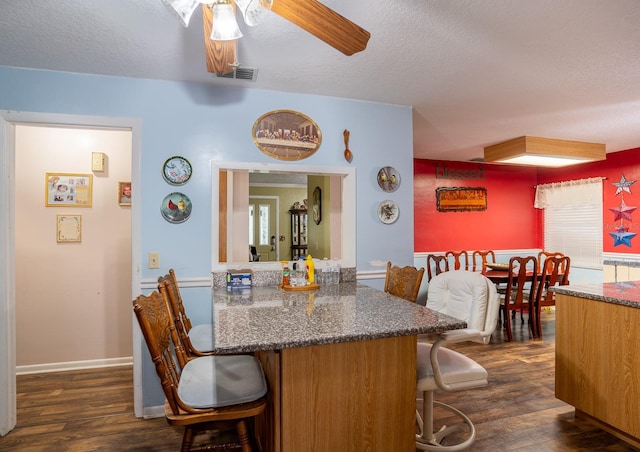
92, 410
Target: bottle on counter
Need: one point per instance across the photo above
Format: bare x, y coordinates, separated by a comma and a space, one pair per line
301, 273
298, 278
335, 272
286, 274
323, 272
310, 272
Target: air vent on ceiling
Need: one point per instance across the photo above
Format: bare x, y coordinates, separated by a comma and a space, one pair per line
242, 73
477, 159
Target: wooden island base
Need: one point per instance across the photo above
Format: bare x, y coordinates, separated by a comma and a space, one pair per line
598, 363
346, 397
635, 442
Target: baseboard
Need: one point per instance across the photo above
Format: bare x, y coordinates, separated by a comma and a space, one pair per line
624, 436
73, 365
371, 274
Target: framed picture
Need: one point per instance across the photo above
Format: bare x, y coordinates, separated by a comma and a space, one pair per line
69, 228
68, 190
461, 199
316, 205
286, 135
124, 193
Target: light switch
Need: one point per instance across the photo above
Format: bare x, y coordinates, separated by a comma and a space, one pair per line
97, 161
154, 259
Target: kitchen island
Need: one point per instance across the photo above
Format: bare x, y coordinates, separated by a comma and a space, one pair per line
340, 362
598, 355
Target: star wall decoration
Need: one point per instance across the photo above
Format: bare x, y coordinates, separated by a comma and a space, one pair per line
622, 236
623, 185
623, 212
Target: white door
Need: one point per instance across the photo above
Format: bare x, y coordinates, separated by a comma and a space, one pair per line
264, 224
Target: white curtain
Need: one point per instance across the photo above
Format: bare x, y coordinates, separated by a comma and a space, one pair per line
580, 192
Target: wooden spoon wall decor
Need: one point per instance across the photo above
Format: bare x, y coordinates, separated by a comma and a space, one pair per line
348, 155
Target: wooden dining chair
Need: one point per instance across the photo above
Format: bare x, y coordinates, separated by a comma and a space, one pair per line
554, 272
520, 292
205, 391
480, 258
436, 264
403, 282
543, 255
460, 259
195, 340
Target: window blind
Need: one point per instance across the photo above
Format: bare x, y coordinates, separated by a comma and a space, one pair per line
574, 226
575, 231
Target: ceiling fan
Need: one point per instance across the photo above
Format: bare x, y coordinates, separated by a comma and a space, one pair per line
310, 15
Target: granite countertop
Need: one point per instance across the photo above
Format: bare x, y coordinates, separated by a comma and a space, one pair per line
623, 293
268, 318
621, 262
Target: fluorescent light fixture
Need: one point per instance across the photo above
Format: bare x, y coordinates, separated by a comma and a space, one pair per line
546, 152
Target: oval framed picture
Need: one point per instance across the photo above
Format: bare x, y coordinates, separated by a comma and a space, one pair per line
177, 170
286, 135
388, 211
176, 208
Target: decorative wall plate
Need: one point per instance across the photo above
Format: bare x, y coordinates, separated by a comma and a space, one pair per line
388, 211
388, 178
176, 207
177, 170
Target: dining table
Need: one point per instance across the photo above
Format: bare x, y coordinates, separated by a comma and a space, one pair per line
340, 362
497, 273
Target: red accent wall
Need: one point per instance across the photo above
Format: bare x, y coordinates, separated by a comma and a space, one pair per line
511, 221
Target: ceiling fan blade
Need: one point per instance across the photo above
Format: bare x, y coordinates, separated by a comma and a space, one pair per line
220, 55
322, 22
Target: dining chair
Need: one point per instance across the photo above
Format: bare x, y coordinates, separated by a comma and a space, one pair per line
436, 264
195, 340
472, 297
554, 272
520, 292
205, 391
480, 258
403, 282
458, 258
543, 255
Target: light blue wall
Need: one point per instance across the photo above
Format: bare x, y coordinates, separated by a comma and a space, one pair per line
204, 122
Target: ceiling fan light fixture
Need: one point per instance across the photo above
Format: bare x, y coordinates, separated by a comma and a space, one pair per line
182, 9
225, 27
252, 11
545, 152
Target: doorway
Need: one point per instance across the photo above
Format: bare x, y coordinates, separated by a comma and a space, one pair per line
8, 123
264, 227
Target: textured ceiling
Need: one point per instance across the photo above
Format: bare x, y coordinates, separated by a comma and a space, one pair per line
476, 72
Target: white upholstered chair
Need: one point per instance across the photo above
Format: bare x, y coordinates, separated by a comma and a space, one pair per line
471, 297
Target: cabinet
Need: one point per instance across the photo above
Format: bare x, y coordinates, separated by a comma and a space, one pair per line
597, 366
298, 233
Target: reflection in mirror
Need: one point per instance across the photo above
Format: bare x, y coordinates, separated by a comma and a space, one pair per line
264, 213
